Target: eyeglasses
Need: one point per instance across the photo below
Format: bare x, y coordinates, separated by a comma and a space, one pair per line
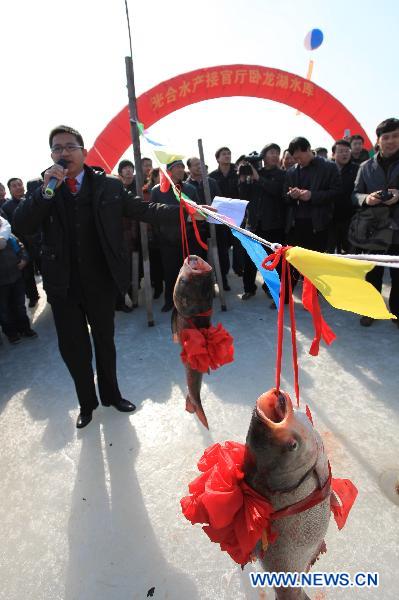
68, 147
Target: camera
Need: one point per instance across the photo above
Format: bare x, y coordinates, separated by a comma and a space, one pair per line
245, 170
254, 159
384, 195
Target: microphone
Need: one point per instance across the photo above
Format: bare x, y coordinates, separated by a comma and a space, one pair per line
52, 184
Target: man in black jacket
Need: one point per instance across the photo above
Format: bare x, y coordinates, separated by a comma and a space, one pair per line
359, 154
377, 186
226, 177
83, 262
170, 238
311, 188
343, 207
266, 209
31, 243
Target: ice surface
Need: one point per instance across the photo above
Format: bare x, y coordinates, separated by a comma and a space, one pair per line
95, 515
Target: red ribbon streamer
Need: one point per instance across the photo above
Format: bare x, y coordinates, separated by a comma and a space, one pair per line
310, 301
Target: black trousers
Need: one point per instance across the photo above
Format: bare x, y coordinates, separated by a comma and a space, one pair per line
302, 234
30, 283
338, 237
376, 275
72, 318
156, 270
249, 276
224, 241
172, 260
13, 317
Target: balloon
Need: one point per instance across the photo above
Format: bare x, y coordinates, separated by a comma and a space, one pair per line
313, 39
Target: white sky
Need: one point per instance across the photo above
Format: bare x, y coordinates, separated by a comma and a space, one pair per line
64, 63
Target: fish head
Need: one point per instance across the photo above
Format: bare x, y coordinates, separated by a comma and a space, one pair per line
193, 292
281, 445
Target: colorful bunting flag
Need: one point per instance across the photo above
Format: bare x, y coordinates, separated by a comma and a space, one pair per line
257, 254
341, 281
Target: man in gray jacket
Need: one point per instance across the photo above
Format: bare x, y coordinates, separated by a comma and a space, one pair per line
377, 184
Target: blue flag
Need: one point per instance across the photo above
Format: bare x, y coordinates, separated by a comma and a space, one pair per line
257, 254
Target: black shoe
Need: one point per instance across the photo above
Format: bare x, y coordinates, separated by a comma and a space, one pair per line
226, 286
83, 419
124, 308
33, 302
122, 405
247, 295
366, 321
167, 307
157, 293
273, 306
14, 339
238, 272
29, 333
395, 322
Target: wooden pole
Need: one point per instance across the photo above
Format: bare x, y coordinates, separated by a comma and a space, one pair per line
213, 250
139, 185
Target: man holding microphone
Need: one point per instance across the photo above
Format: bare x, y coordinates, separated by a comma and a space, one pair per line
83, 261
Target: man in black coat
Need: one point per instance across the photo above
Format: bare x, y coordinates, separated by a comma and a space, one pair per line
84, 263
170, 239
31, 243
343, 207
266, 209
376, 187
311, 189
226, 177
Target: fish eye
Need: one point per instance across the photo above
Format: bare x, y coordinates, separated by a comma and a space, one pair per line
292, 445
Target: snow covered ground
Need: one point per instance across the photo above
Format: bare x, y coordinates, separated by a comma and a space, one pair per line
95, 514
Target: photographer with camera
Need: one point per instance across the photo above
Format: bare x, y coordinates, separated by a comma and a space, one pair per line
376, 192
263, 187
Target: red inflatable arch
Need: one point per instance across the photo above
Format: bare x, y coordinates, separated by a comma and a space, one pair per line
221, 82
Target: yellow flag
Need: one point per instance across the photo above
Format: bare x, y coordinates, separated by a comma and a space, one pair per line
341, 281
165, 157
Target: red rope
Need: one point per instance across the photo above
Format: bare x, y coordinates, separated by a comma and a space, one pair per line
191, 211
270, 263
310, 302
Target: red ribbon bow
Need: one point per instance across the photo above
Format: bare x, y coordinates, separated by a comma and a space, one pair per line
206, 348
235, 515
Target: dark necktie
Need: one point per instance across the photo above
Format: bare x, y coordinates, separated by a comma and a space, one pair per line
72, 184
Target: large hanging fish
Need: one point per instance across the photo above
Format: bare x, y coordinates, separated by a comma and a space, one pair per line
285, 462
204, 347
270, 498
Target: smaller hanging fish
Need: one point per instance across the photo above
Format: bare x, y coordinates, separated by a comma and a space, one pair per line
204, 347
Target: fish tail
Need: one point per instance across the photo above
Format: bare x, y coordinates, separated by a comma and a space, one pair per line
201, 416
198, 410
190, 407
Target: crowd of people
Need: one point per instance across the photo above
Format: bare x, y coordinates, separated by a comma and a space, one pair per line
301, 196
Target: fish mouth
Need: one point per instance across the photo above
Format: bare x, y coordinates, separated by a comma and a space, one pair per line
274, 408
197, 265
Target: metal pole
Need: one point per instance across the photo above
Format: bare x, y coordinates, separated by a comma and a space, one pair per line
139, 185
213, 250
